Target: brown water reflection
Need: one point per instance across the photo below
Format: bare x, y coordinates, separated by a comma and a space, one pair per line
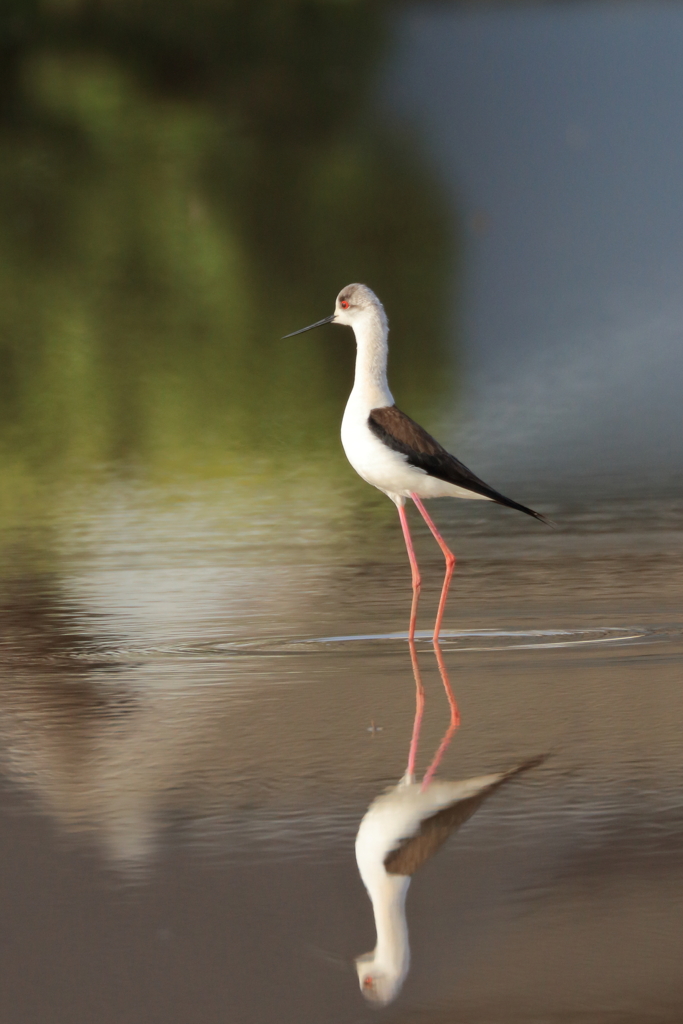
226, 784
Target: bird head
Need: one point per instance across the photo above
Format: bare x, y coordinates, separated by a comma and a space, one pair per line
355, 303
378, 984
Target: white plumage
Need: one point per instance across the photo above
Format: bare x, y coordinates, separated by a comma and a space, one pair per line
401, 829
387, 448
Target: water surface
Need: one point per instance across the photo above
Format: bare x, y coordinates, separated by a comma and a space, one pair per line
190, 741
205, 677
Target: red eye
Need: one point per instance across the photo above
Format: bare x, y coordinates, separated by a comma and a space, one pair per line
344, 304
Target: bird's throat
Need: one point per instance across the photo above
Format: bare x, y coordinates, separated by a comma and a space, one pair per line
371, 387
392, 951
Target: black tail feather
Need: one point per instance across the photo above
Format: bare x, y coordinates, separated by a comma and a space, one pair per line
509, 503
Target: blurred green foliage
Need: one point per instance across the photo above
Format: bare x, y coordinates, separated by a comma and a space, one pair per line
181, 183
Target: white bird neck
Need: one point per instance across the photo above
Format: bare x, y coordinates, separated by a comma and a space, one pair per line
370, 387
392, 952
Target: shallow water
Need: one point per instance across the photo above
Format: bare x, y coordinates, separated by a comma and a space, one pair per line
189, 747
205, 675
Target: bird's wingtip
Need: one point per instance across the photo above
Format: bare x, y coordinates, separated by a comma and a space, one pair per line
528, 764
509, 503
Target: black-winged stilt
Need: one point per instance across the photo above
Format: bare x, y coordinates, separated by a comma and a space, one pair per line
387, 448
401, 829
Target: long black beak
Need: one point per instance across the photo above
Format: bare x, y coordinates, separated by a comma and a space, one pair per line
327, 320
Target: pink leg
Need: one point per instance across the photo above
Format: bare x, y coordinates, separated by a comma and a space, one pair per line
419, 710
414, 570
450, 564
455, 718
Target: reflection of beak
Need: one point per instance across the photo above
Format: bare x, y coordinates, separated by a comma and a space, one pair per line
327, 320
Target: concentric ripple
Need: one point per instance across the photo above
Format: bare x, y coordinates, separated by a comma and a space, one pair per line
366, 644
453, 640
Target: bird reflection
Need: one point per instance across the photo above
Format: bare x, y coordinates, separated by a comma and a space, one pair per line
404, 827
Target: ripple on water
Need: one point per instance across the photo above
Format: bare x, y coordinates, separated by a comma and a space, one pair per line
101, 654
451, 640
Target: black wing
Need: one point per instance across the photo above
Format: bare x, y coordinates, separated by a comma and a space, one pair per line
412, 852
398, 432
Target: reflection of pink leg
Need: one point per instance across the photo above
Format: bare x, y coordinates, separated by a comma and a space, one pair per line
455, 718
414, 570
450, 563
419, 709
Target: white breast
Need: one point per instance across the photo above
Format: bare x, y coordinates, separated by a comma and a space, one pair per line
372, 460
384, 468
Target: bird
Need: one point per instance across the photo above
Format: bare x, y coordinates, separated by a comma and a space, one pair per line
403, 828
390, 450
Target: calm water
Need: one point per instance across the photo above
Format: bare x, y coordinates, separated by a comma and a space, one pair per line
206, 680
190, 739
